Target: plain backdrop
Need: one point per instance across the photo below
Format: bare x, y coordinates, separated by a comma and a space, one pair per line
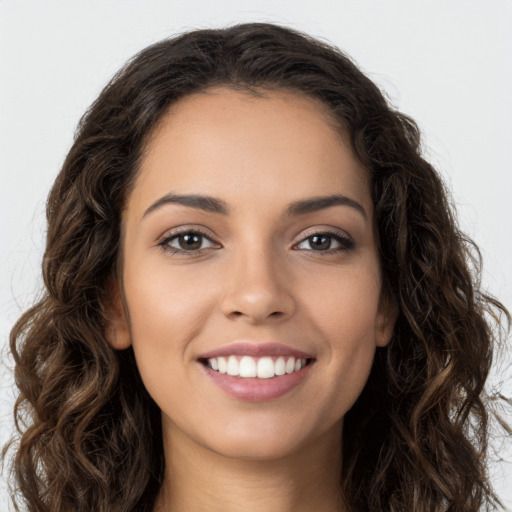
445, 63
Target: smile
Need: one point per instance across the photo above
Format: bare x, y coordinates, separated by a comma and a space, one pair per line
252, 367
256, 372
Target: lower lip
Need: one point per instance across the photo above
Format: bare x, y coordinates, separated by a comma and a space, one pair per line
257, 390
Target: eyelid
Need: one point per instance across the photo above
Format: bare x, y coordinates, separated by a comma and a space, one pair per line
345, 240
173, 233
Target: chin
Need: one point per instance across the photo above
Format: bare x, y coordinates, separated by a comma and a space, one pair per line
269, 440
258, 450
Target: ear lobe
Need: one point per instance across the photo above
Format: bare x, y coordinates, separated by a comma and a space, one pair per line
388, 313
117, 329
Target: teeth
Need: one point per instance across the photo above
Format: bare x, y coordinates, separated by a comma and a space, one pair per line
290, 365
262, 368
233, 366
280, 366
223, 365
247, 367
266, 368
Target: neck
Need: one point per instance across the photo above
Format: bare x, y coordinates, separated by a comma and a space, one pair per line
199, 479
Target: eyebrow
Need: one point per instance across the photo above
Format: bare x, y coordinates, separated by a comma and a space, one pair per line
206, 203
319, 203
214, 205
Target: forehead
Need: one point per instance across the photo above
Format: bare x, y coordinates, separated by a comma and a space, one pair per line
239, 145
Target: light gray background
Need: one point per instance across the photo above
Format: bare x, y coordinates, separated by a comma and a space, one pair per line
446, 63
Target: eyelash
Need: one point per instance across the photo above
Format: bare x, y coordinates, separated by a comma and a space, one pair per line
345, 242
164, 244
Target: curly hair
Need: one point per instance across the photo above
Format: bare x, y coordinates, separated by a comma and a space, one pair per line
89, 435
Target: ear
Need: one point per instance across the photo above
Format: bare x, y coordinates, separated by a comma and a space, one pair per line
117, 331
386, 319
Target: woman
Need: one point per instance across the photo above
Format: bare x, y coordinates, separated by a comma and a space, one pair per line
257, 298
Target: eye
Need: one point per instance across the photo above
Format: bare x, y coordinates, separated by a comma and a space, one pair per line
187, 242
326, 242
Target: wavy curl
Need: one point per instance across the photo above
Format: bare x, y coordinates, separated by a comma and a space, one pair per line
89, 435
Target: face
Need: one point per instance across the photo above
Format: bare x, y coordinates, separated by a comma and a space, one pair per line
251, 279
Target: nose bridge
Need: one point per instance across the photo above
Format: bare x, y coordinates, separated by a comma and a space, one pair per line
257, 288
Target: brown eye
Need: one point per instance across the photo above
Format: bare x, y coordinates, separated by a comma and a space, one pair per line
190, 242
187, 242
326, 242
320, 242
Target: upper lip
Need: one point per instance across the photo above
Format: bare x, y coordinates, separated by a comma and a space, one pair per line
246, 348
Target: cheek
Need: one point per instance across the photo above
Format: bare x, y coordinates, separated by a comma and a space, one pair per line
345, 319
166, 312
346, 305
167, 309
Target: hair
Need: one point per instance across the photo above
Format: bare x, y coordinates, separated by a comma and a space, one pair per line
89, 435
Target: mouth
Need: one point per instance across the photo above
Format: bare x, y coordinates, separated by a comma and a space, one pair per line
256, 372
246, 367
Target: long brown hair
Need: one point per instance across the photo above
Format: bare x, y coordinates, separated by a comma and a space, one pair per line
89, 435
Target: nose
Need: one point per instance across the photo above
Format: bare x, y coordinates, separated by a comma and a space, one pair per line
257, 289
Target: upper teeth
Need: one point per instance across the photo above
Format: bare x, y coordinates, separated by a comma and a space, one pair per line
263, 367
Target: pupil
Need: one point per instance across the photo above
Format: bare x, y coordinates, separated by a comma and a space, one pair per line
320, 242
190, 242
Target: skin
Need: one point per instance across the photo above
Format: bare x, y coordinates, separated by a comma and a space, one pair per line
256, 277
